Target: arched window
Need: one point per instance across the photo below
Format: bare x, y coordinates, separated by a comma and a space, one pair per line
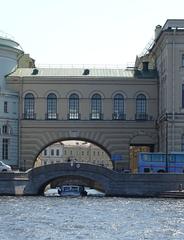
182, 143
141, 107
29, 106
118, 107
96, 107
74, 107
51, 106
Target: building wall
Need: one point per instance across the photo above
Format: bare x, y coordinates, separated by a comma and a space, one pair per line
168, 51
9, 127
85, 88
10, 51
115, 136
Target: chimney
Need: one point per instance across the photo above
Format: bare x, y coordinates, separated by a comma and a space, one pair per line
158, 30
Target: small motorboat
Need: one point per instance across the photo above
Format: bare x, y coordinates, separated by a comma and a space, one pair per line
71, 191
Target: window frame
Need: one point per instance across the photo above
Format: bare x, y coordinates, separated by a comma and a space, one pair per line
96, 107
73, 113
51, 107
5, 148
5, 107
29, 106
118, 107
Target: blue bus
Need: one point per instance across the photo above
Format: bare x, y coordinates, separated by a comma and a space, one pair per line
156, 162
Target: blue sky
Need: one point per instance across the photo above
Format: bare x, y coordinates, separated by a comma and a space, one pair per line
85, 31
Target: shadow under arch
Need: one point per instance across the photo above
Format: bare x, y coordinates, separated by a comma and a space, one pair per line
84, 174
72, 180
72, 139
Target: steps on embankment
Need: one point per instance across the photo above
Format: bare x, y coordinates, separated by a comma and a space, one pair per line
172, 194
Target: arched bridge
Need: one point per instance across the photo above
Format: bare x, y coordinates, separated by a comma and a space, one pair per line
34, 181
69, 173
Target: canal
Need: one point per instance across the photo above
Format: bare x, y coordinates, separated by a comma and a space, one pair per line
88, 218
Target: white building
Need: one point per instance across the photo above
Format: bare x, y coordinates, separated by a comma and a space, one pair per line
10, 52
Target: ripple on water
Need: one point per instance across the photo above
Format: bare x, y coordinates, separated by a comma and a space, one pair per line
29, 218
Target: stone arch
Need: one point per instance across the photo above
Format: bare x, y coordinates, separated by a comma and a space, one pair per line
51, 91
141, 92
40, 177
30, 91
71, 138
119, 92
40, 135
74, 91
96, 92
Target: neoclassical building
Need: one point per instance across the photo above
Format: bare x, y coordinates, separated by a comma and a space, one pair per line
121, 111
112, 108
10, 52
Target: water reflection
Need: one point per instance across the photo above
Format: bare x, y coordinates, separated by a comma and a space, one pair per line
45, 218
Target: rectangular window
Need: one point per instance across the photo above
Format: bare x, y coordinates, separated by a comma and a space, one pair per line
96, 107
74, 107
182, 60
52, 152
14, 108
57, 152
5, 129
5, 107
5, 149
182, 95
45, 152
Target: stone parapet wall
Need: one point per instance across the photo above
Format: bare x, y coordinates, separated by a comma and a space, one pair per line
111, 182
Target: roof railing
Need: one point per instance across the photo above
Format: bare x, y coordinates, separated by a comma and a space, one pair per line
86, 66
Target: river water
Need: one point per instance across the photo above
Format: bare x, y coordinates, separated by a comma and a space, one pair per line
88, 218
